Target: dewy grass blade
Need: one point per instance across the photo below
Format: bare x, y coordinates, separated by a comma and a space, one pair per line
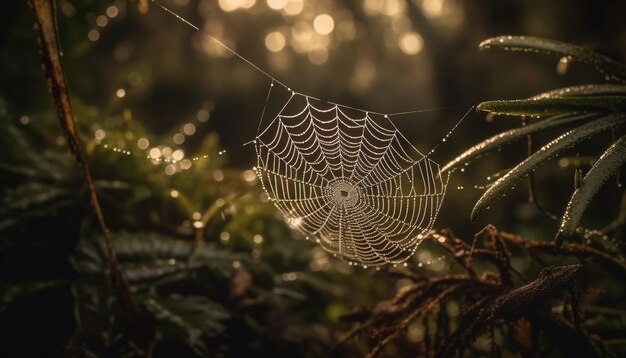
548, 151
607, 66
509, 136
584, 90
608, 164
539, 107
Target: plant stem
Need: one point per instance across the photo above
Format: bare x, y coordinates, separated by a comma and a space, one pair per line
532, 195
52, 66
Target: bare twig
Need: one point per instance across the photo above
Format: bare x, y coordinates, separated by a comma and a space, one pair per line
570, 249
417, 312
519, 302
491, 300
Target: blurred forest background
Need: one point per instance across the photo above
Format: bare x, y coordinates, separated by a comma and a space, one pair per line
211, 266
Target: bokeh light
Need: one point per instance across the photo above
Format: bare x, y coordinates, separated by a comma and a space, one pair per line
93, 35
411, 43
324, 24
318, 56
275, 41
432, 8
293, 7
276, 4
232, 5
143, 143
112, 11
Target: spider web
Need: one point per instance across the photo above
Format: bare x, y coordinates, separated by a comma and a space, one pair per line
345, 177
349, 180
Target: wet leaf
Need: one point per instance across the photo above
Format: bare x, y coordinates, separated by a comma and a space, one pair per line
584, 90
10, 293
191, 318
150, 258
548, 151
546, 106
609, 67
608, 164
184, 288
509, 136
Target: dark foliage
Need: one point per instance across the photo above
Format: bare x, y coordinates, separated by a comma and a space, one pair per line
536, 315
112, 257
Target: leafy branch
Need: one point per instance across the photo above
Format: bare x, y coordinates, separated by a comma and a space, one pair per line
579, 112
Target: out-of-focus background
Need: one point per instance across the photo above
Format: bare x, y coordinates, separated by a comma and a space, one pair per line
143, 81
386, 56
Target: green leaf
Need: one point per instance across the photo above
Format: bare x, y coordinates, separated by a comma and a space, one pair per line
608, 164
150, 258
36, 204
609, 67
509, 136
192, 319
183, 287
540, 107
10, 293
566, 140
584, 90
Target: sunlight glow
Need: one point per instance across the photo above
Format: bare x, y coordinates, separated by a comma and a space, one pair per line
373, 7
318, 56
203, 115
432, 8
228, 5
346, 30
295, 222
102, 21
401, 24
189, 129
155, 153
324, 24
112, 11
178, 138
293, 7
393, 7
143, 143
170, 169
93, 35
185, 164
178, 154
249, 176
100, 134
246, 4
232, 5
301, 36
276, 4
411, 43
218, 175
275, 41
